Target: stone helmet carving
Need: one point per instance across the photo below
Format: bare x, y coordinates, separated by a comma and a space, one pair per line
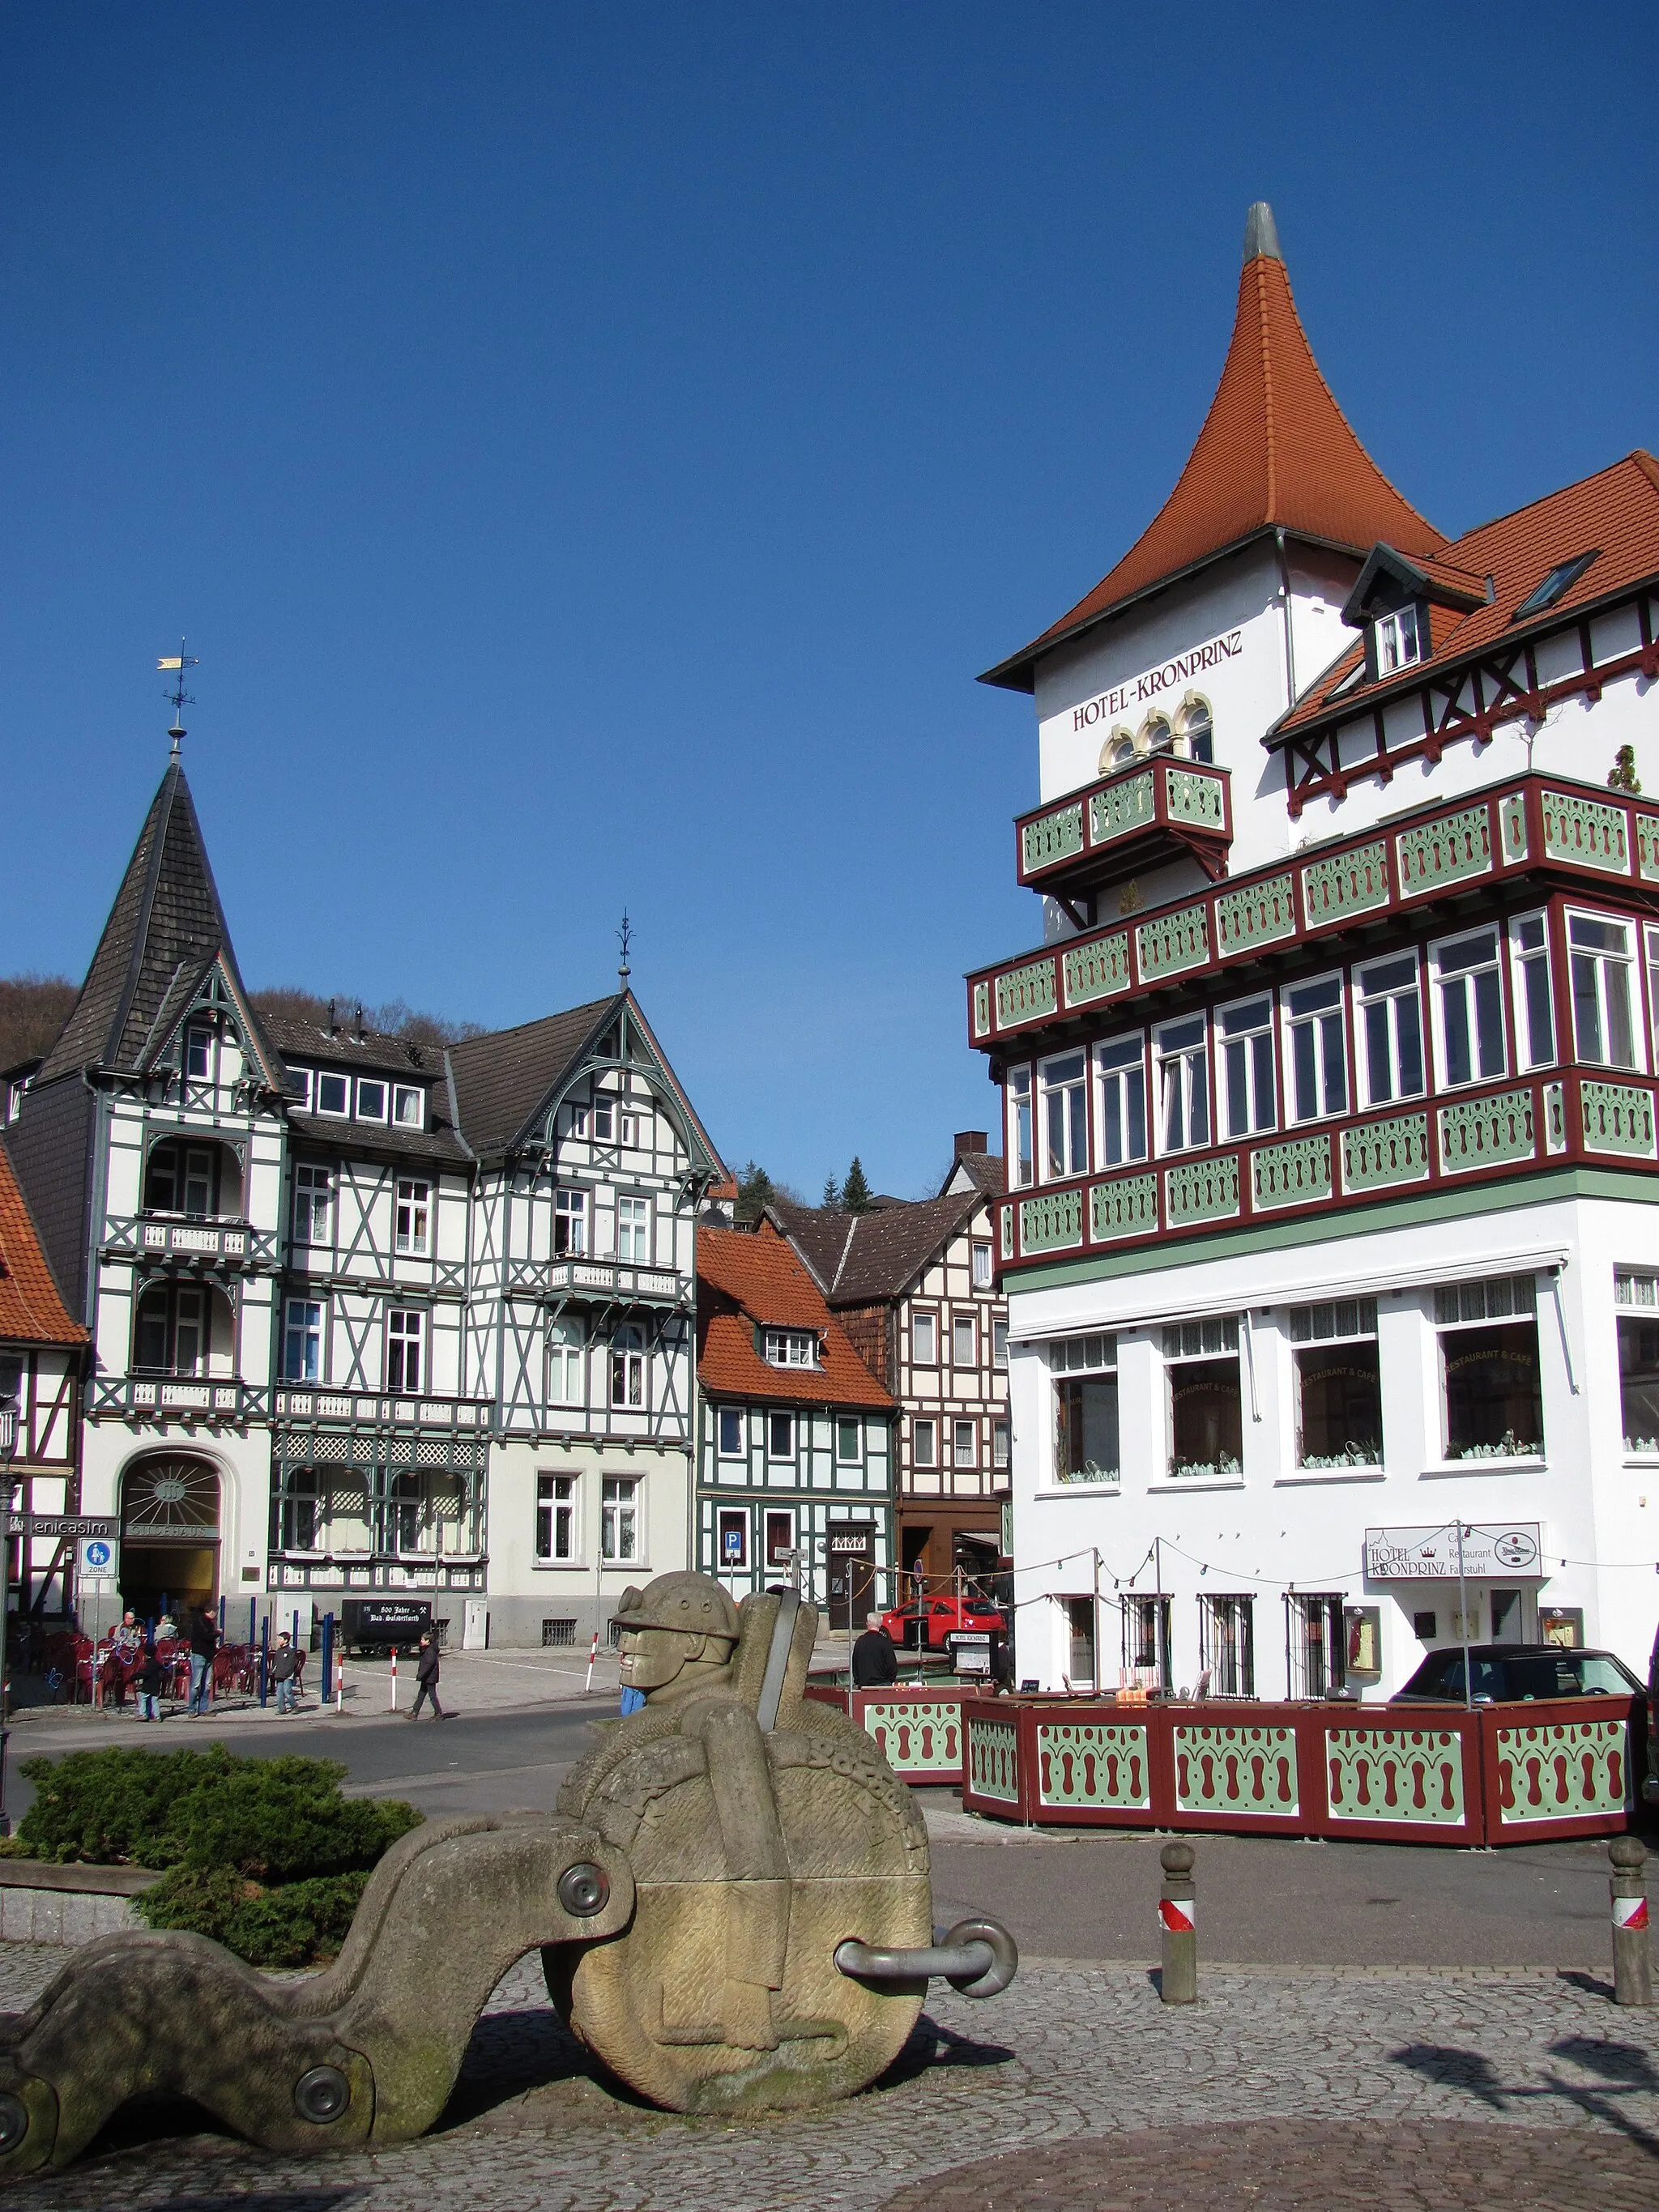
694, 1604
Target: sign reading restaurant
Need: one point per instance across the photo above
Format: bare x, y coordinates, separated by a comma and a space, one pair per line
1431, 1555
1125, 697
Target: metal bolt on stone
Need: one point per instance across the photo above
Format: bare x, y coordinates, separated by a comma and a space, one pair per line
1632, 1960
1178, 1914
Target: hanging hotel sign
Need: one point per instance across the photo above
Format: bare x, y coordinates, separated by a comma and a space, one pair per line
1490, 1548
1140, 690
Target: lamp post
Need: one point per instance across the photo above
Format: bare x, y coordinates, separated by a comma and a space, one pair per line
7, 1490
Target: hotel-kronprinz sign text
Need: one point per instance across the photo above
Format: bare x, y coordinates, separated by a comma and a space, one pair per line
1140, 688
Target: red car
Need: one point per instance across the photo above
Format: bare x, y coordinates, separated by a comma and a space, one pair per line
927, 1624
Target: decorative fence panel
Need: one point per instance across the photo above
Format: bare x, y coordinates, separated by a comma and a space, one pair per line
919, 1729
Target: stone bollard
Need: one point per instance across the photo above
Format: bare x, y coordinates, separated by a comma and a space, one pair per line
1177, 1918
1632, 1961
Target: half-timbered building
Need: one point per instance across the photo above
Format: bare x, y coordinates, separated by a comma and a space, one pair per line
1330, 1092
796, 1478
42, 1358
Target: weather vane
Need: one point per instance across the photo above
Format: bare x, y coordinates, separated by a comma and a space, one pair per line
625, 938
175, 664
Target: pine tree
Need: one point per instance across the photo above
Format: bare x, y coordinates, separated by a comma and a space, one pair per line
855, 1193
831, 1199
755, 1191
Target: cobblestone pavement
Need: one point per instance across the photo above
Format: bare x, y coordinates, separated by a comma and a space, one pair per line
1363, 2071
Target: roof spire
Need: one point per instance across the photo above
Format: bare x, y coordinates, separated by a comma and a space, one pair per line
175, 665
1260, 234
625, 938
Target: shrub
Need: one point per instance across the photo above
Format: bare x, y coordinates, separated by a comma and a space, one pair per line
296, 1924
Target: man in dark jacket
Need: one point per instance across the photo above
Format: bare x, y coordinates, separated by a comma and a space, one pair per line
875, 1662
204, 1643
426, 1674
285, 1673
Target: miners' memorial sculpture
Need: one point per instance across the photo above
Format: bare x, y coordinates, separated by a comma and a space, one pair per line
731, 1905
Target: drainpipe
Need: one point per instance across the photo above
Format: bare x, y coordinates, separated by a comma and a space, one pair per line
1289, 643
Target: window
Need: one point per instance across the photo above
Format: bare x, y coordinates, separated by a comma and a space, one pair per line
1120, 1063
1000, 1441
847, 1440
333, 1094
180, 1179
965, 1348
633, 1229
556, 1517
731, 1432
1637, 1298
1085, 1408
1391, 1027
413, 1212
628, 1130
302, 1341
603, 1119
1246, 1054
780, 1436
566, 1360
1534, 1010
300, 1510
1018, 1138
408, 1106
982, 1267
569, 1223
791, 1347
1146, 1640
1206, 1418
924, 1443
780, 1539
199, 1055
298, 1092
627, 1364
1183, 1084
998, 1343
1156, 735
1401, 639
1317, 1049
558, 1635
1194, 731
1226, 1645
1601, 961
1489, 1362
964, 1443
924, 1339
619, 1518
312, 1192
1316, 1645
1065, 1115
1080, 1613
733, 1531
1555, 586
371, 1100
1471, 1007
405, 1335
171, 1333
1339, 1384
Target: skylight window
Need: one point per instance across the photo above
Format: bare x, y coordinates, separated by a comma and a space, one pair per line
1555, 586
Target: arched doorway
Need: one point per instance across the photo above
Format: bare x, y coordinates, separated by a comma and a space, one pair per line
169, 1532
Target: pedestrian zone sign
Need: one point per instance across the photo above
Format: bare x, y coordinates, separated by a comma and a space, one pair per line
97, 1559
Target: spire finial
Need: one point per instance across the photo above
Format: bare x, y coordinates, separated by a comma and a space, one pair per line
175, 665
1262, 233
625, 938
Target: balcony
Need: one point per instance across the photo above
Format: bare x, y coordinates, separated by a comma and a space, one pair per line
178, 1398
380, 1409
603, 1280
229, 1246
1138, 816
1529, 833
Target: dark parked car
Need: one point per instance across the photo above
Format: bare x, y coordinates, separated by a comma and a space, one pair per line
1517, 1674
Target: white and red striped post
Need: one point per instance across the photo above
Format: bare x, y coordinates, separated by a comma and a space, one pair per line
1632, 1960
1177, 1919
592, 1655
394, 1678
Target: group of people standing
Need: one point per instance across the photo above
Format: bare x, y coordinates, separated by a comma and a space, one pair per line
138, 1661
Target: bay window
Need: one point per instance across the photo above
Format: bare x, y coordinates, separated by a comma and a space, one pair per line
1317, 1049
1246, 1054
1022, 1172
1065, 1115
1601, 960
1391, 1023
1470, 1007
1120, 1065
1535, 1014
1184, 1083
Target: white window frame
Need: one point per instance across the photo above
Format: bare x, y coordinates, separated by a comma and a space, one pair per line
923, 1317
558, 1520
1463, 977
782, 1436
342, 1111
734, 1414
769, 1554
603, 1120
1323, 1022
202, 1034
308, 1332
313, 1204
412, 1225
1186, 1067
958, 1322
570, 1207
924, 1425
1121, 1095
398, 1332
627, 1128
1530, 950
790, 1347
730, 1519
964, 1445
984, 1268
1019, 1141
1600, 960
999, 1341
1245, 1057
1001, 1445
633, 1229
630, 1353
1389, 997
621, 1515
408, 1105
300, 1098
566, 1361
370, 1112
1071, 1097
1399, 639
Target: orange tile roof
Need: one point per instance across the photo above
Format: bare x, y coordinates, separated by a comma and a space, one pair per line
1615, 513
31, 1310
1275, 451
744, 1282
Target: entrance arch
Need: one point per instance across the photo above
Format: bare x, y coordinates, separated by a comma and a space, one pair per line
169, 1532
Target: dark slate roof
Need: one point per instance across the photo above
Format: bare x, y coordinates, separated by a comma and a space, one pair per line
986, 1171
502, 1078
164, 933
438, 1142
881, 1253
305, 1044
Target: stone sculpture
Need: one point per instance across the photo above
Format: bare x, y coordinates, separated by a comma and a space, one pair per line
731, 1903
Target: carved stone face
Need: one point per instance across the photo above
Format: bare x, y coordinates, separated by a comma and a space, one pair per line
652, 1658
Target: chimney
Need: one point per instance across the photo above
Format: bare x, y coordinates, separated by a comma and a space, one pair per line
970, 1141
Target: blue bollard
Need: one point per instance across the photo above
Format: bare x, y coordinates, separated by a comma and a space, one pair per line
328, 1658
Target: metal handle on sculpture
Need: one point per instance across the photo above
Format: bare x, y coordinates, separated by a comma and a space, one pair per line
979, 1958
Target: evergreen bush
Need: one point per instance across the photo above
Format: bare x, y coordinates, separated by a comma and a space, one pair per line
296, 1924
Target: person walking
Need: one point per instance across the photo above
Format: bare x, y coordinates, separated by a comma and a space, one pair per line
426, 1677
285, 1673
875, 1662
147, 1679
204, 1643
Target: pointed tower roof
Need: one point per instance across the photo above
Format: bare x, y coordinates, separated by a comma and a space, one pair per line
165, 932
1275, 452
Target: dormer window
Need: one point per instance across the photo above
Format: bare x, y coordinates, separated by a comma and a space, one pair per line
333, 1094
371, 1100
409, 1106
791, 1347
1555, 586
198, 1054
1401, 638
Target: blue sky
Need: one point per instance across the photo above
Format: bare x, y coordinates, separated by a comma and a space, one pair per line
593, 450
